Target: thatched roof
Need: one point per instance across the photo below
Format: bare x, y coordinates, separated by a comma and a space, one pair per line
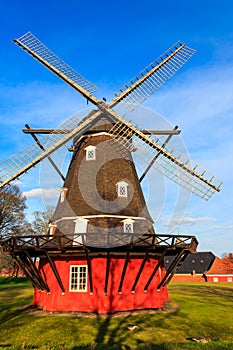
92, 185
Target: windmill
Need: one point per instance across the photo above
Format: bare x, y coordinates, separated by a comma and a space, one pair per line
101, 241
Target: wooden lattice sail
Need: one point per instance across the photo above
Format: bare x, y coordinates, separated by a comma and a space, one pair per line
186, 174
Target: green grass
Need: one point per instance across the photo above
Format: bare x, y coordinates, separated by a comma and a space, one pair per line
195, 310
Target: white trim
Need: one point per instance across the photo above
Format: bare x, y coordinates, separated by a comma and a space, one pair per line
78, 279
129, 219
98, 134
102, 216
93, 135
188, 274
225, 275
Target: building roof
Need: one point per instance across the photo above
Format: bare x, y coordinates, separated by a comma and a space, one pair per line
194, 263
222, 266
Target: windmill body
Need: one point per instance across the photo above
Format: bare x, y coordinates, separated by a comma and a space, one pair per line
101, 206
101, 187
101, 253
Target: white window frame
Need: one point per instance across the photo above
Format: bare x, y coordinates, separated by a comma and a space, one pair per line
76, 278
215, 279
229, 279
128, 223
91, 149
122, 185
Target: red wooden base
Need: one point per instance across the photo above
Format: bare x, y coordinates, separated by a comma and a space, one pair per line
98, 301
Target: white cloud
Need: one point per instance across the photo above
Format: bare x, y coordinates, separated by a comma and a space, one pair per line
18, 183
224, 227
190, 220
48, 194
196, 220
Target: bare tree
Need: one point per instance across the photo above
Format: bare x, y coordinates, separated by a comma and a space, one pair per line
12, 219
12, 212
40, 224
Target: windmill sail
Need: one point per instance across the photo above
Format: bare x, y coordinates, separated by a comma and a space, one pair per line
38, 50
148, 81
20, 163
176, 166
139, 89
135, 92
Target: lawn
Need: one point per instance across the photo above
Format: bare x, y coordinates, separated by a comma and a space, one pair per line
195, 310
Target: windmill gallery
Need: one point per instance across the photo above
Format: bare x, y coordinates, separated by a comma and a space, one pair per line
101, 253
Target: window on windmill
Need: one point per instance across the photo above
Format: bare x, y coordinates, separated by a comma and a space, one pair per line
78, 278
128, 226
90, 153
122, 189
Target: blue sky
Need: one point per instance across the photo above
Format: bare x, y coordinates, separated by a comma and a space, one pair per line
109, 43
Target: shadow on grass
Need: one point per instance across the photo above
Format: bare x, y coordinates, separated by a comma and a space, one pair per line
12, 299
122, 347
113, 332
108, 338
7, 282
143, 346
22, 346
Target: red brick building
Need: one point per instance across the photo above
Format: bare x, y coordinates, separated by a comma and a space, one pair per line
203, 267
221, 270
